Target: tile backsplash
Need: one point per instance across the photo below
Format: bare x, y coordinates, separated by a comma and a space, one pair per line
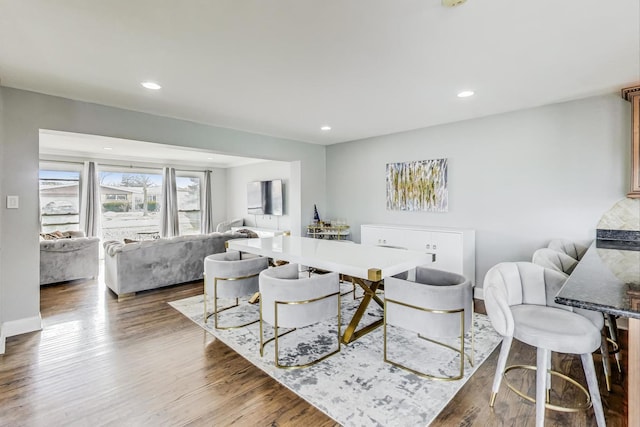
624, 215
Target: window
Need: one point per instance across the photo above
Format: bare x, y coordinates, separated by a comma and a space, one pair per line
188, 189
59, 200
129, 203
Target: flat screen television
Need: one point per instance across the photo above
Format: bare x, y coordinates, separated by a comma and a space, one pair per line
265, 197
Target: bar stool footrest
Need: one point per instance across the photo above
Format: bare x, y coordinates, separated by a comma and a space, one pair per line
581, 407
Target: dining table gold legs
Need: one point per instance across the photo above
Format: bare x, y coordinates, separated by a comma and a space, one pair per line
369, 287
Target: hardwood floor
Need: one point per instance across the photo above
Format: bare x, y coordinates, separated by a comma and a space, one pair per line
141, 363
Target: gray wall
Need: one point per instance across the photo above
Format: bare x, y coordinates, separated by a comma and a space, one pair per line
26, 112
518, 179
237, 179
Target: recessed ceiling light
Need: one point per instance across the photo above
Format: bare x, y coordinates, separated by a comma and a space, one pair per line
325, 128
107, 148
465, 94
151, 85
209, 158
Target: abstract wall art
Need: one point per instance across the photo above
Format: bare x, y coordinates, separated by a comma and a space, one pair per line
418, 186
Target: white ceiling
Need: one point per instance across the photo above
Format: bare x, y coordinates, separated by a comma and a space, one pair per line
287, 67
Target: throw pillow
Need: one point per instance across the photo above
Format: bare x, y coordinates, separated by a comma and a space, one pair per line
250, 234
130, 241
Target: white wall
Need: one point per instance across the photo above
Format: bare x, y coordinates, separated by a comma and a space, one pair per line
237, 179
2, 137
25, 113
219, 194
518, 179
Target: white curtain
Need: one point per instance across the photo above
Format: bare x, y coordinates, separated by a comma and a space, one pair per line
207, 208
169, 208
90, 201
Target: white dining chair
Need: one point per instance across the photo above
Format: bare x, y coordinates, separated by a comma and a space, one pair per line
437, 305
288, 301
228, 276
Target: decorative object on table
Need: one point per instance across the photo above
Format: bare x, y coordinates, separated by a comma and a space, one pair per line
354, 387
328, 231
316, 217
418, 186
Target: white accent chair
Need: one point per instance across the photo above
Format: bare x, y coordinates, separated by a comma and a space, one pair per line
228, 276
573, 249
437, 305
577, 251
519, 298
563, 263
288, 301
551, 258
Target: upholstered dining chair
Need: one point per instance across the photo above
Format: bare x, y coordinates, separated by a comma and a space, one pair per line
563, 263
573, 249
519, 299
437, 305
288, 301
227, 275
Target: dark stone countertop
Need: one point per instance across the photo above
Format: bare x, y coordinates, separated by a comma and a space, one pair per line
602, 279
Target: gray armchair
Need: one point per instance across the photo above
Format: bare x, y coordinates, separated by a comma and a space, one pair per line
228, 276
439, 304
288, 301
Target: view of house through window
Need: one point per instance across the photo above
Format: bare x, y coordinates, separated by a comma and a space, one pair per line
129, 201
130, 204
59, 200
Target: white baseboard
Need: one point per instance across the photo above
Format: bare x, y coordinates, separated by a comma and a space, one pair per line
478, 293
1, 339
21, 326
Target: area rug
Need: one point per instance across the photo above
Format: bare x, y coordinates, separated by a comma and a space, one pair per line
354, 387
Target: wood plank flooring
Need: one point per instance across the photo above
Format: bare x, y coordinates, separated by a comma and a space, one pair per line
141, 363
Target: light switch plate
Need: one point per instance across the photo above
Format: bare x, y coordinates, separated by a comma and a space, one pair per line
13, 202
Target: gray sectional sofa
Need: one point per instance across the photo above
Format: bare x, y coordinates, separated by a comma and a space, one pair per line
151, 264
75, 257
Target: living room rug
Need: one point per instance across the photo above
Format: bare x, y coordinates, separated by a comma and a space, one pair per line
354, 387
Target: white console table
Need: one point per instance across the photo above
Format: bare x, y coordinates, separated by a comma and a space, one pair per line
261, 232
454, 248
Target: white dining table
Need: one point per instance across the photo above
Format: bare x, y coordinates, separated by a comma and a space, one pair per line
366, 265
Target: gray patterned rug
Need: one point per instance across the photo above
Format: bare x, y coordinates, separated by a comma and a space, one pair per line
354, 387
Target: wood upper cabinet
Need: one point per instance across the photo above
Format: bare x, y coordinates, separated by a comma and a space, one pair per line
632, 94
